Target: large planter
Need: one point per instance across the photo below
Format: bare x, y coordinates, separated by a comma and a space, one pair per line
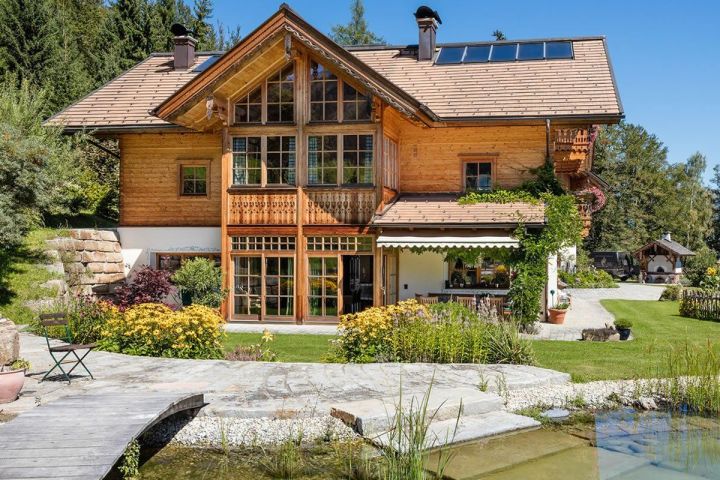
556, 316
624, 333
10, 385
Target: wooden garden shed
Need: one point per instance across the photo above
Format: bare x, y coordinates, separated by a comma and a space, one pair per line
662, 260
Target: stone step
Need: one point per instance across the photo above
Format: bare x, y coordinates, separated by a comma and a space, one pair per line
468, 428
371, 417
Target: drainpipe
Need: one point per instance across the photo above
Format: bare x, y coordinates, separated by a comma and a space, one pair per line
548, 157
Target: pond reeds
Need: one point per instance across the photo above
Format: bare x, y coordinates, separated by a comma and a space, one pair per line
687, 379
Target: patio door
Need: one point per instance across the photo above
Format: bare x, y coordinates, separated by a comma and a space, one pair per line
390, 277
357, 282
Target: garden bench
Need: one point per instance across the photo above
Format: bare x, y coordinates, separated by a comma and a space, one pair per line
426, 300
60, 320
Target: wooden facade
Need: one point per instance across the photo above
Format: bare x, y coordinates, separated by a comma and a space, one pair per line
288, 250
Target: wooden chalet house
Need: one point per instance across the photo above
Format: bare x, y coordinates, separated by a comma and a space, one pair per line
325, 179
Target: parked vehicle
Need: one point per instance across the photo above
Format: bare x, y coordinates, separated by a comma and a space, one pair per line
621, 265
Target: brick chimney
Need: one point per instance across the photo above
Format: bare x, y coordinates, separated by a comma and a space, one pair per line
184, 56
428, 21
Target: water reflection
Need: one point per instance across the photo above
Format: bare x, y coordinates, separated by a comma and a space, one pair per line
620, 445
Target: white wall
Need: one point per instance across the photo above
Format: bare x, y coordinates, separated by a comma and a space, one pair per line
422, 273
660, 261
139, 244
552, 281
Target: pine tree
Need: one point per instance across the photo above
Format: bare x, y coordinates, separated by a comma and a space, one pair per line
201, 26
164, 13
129, 35
356, 31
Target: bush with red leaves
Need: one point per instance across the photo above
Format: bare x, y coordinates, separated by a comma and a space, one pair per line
147, 286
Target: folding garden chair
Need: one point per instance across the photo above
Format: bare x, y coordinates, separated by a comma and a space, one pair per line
60, 320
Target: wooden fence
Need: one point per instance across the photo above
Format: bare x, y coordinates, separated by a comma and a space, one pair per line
700, 304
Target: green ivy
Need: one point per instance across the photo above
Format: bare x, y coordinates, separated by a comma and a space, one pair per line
563, 228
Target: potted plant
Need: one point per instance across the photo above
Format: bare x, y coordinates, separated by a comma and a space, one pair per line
623, 326
457, 278
12, 379
557, 313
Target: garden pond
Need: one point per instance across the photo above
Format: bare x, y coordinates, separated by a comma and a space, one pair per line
620, 445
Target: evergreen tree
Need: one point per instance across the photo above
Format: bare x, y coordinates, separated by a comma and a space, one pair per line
164, 13
201, 26
356, 32
129, 35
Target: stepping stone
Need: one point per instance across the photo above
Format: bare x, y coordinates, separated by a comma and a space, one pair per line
375, 416
453, 431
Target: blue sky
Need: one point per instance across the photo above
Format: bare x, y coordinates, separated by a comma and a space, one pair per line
665, 54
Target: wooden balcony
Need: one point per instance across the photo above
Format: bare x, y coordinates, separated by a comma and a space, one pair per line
262, 207
339, 207
585, 210
572, 149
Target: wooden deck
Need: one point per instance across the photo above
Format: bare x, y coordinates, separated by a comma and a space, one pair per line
83, 436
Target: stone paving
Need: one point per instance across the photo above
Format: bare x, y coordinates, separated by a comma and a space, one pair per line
586, 311
257, 389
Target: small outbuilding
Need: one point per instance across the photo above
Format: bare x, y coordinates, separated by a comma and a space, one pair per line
662, 260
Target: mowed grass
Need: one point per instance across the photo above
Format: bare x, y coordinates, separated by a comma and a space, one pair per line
657, 327
288, 347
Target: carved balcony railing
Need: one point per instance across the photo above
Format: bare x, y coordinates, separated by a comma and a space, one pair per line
333, 207
262, 208
585, 210
572, 150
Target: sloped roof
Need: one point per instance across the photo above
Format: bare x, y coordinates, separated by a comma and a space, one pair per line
670, 245
419, 210
582, 86
126, 101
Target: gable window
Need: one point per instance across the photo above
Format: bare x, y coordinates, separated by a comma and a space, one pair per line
281, 160
280, 96
356, 152
332, 99
271, 102
249, 108
247, 161
193, 180
478, 175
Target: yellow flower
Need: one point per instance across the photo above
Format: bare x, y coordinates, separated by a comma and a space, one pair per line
711, 271
267, 336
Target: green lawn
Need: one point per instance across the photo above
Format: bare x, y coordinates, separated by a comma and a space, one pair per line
657, 327
289, 348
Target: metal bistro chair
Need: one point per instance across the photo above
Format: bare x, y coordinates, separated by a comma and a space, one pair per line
56, 320
426, 300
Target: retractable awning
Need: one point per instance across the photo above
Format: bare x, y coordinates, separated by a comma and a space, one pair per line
434, 241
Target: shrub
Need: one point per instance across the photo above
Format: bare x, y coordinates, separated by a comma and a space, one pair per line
201, 281
154, 330
442, 333
671, 293
148, 285
86, 318
623, 324
695, 267
711, 280
361, 335
588, 278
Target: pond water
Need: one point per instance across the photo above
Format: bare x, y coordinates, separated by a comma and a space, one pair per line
620, 445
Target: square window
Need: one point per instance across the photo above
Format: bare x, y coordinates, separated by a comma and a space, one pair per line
193, 180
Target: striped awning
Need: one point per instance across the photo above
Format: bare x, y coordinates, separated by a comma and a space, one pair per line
434, 241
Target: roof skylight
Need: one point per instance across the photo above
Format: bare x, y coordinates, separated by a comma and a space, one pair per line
206, 64
505, 52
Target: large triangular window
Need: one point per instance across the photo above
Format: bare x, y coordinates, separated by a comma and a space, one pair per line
271, 102
332, 99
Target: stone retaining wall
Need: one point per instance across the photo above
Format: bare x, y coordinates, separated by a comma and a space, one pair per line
91, 259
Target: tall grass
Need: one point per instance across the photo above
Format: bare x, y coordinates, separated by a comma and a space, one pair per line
405, 453
688, 379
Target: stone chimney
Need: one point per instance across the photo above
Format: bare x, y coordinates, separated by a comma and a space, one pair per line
428, 21
184, 56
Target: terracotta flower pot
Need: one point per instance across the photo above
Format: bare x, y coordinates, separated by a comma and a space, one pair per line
557, 316
10, 385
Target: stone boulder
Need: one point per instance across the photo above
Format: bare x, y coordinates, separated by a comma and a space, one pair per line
9, 342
